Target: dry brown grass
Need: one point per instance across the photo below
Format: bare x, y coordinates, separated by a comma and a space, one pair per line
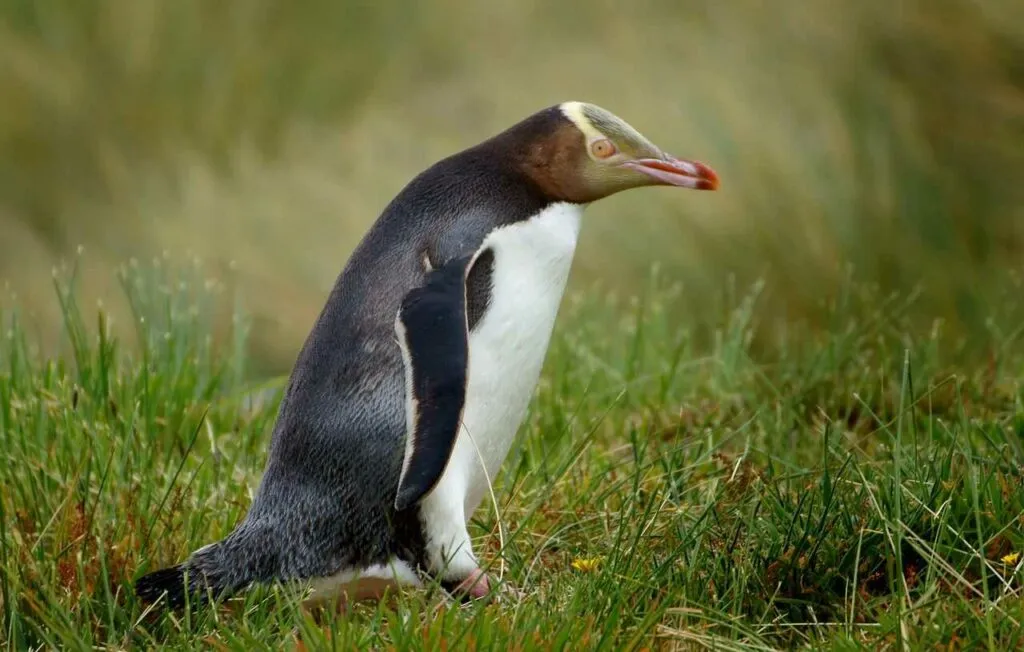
886, 136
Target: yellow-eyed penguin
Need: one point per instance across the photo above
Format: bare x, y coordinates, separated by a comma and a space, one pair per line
406, 396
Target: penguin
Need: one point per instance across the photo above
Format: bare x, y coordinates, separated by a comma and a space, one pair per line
406, 396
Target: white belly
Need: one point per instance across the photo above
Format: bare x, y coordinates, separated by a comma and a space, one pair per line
508, 345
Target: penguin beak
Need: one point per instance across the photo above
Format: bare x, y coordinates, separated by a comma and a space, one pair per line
670, 171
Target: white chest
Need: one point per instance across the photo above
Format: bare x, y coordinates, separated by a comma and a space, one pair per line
507, 348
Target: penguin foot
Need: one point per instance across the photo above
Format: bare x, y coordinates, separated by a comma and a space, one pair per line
477, 585
474, 587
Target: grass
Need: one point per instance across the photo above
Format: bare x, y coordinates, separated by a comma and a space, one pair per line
857, 489
774, 455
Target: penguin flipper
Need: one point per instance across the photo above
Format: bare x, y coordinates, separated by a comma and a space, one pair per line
433, 334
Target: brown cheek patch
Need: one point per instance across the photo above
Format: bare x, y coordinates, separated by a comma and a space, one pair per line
557, 166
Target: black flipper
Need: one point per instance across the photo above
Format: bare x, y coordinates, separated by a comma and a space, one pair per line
434, 336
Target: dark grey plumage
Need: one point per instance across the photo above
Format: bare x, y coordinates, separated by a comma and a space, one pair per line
326, 499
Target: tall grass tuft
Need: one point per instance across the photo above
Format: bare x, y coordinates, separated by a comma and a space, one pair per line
860, 491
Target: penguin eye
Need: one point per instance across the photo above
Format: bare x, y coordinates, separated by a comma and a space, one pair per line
603, 148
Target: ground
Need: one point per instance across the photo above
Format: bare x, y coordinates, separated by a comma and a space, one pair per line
672, 488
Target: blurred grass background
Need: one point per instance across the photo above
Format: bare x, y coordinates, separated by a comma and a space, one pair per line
264, 137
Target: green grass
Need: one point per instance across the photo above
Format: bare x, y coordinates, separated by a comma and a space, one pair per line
859, 489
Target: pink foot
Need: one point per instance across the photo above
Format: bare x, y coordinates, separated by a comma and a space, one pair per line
476, 585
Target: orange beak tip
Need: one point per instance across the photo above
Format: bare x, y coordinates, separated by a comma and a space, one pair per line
708, 178
671, 171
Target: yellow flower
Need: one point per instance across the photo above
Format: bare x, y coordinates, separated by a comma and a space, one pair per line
585, 565
1011, 558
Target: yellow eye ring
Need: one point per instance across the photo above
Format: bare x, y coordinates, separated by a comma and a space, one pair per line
603, 148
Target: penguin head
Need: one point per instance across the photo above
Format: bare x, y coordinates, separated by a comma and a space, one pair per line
618, 157
584, 153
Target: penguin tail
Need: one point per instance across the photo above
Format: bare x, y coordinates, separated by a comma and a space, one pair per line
177, 586
168, 583
214, 572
